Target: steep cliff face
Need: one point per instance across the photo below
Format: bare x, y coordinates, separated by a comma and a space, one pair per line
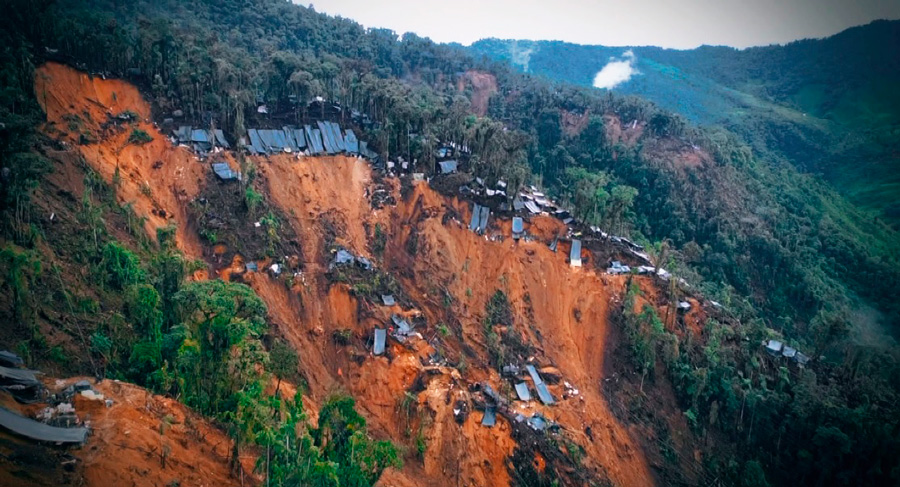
559, 316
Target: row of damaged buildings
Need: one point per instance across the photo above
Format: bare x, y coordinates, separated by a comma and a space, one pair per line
323, 138
319, 139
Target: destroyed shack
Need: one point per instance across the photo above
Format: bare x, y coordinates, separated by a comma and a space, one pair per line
225, 173
575, 254
479, 221
518, 228
449, 167
380, 339
35, 430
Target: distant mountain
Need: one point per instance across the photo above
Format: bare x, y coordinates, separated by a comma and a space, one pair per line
829, 106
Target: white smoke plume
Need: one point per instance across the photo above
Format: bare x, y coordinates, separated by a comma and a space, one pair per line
616, 72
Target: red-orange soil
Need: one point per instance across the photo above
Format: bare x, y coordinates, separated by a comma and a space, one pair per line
563, 312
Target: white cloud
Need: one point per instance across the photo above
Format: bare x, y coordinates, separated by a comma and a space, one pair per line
616, 72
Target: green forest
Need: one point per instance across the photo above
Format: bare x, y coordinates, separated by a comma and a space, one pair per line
754, 226
827, 106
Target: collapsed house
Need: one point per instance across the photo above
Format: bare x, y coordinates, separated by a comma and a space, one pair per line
543, 393
380, 339
321, 138
776, 349
200, 141
224, 172
490, 416
449, 167
480, 217
23, 384
522, 391
518, 228
35, 430
575, 254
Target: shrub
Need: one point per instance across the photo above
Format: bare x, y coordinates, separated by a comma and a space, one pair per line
139, 137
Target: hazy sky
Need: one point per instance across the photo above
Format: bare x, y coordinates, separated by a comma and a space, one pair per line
667, 23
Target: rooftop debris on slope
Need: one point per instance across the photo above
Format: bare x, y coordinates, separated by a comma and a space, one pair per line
404, 329
388, 299
532, 207
537, 422
21, 383
449, 167
522, 391
490, 417
327, 141
351, 142
485, 215
618, 268
314, 139
544, 394
535, 377
200, 140
224, 172
380, 338
518, 227
9, 359
575, 255
344, 257
476, 218
39, 431
777, 348
480, 217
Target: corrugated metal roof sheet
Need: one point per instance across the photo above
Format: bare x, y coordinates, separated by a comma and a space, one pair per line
224, 171
575, 255
313, 140
199, 135
365, 151
351, 142
319, 141
326, 138
300, 138
518, 226
268, 140
518, 205
289, 138
280, 141
220, 139
183, 134
256, 142
485, 215
21, 377
534, 375
523, 392
475, 223
490, 416
532, 207
39, 431
337, 137
380, 338
448, 167
10, 359
544, 394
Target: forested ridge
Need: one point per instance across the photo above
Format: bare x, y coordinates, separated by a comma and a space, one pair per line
782, 251
825, 105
